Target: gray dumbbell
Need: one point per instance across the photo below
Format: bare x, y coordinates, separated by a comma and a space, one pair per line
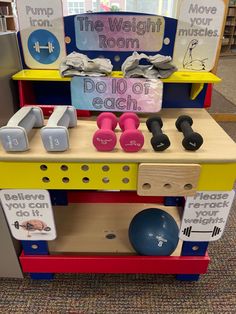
49, 47
55, 135
14, 136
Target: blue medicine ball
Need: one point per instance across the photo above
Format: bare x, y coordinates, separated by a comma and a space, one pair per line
153, 232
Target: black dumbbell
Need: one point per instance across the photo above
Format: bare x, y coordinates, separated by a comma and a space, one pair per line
187, 231
192, 140
159, 141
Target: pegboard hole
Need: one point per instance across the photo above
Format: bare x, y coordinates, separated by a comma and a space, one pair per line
44, 167
67, 40
65, 180
125, 180
167, 186
195, 248
106, 180
167, 41
146, 186
85, 180
117, 58
45, 179
188, 186
34, 246
110, 236
105, 168
126, 168
64, 168
85, 167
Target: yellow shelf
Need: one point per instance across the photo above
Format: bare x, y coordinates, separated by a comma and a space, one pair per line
39, 75
192, 77
177, 77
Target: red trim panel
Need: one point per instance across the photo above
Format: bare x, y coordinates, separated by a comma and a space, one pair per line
111, 197
114, 264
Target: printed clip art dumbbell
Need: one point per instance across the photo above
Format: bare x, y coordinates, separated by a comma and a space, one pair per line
215, 232
14, 136
105, 139
159, 141
192, 140
49, 47
131, 139
55, 135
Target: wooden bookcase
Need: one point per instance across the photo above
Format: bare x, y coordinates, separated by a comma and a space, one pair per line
229, 38
7, 11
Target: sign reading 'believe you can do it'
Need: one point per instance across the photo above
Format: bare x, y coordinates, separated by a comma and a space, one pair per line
29, 214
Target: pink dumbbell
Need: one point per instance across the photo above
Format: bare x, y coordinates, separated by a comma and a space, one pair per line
131, 140
105, 138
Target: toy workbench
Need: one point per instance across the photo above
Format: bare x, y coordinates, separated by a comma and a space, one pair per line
119, 168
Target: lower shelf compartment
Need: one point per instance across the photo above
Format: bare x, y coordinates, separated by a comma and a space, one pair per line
115, 264
100, 229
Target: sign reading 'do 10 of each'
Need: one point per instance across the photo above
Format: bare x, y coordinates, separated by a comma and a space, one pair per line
116, 94
119, 32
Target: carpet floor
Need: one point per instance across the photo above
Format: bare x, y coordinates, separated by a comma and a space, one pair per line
226, 71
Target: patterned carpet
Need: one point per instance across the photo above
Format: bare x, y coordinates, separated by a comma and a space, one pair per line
227, 86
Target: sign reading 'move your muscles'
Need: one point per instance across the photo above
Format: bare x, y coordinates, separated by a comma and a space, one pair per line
198, 34
116, 94
119, 32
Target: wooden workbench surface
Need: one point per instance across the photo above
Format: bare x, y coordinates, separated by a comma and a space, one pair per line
218, 147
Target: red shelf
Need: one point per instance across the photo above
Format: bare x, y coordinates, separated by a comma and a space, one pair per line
115, 264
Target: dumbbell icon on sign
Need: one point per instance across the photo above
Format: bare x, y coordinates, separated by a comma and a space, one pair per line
131, 139
49, 47
105, 138
192, 140
159, 141
187, 231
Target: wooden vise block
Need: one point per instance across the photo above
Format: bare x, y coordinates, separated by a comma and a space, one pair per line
168, 179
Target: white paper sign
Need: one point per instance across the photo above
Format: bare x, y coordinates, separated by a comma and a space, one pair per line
42, 33
29, 214
198, 34
205, 215
116, 94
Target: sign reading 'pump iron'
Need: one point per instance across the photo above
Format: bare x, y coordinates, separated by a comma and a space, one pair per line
119, 32
116, 94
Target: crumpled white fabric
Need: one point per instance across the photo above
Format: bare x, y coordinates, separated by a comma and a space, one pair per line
79, 64
160, 66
